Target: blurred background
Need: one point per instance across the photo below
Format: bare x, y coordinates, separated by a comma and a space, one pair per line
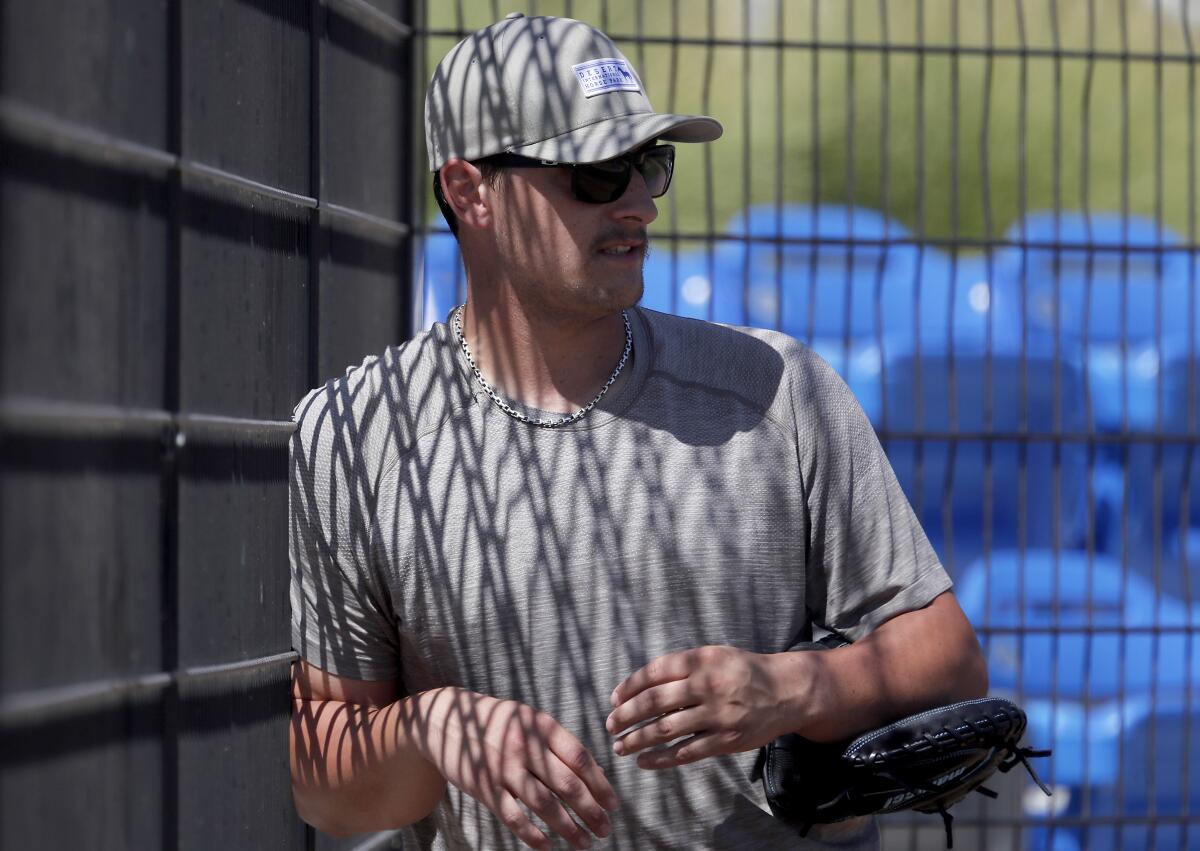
983, 213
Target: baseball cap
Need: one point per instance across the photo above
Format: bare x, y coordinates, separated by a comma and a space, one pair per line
548, 88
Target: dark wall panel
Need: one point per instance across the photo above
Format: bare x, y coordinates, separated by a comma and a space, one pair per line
245, 299
80, 528
246, 68
361, 301
92, 781
103, 64
86, 323
233, 561
233, 769
81, 549
144, 551
364, 120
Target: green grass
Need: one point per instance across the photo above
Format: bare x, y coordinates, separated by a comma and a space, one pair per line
952, 145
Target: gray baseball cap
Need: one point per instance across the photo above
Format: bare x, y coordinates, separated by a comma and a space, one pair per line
547, 88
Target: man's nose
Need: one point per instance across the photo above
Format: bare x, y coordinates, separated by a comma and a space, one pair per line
635, 203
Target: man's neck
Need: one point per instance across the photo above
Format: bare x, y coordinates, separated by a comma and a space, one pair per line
552, 363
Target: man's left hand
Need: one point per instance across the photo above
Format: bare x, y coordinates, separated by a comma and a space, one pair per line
723, 700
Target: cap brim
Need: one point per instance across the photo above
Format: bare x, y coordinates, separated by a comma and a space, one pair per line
614, 136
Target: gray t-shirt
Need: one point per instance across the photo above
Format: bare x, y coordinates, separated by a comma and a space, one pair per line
727, 490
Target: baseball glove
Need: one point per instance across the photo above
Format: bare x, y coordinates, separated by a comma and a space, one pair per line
926, 762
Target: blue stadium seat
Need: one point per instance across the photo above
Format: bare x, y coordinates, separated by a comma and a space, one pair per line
1117, 298
841, 275
947, 303
1125, 759
1037, 610
842, 293
1181, 389
1117, 305
1108, 671
898, 293
1164, 479
1037, 487
960, 305
440, 276
682, 280
863, 283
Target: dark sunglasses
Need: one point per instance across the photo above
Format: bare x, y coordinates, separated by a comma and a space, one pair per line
604, 182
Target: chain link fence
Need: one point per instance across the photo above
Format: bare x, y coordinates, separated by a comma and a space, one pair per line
984, 216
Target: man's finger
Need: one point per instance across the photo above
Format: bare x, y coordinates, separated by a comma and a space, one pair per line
666, 729
698, 747
650, 704
574, 792
535, 795
664, 669
580, 762
514, 817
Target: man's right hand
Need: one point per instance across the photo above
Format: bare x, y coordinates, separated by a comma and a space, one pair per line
512, 757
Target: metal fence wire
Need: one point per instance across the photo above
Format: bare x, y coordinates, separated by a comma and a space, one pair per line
982, 213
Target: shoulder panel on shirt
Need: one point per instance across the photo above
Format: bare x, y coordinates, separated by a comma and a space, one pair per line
377, 409
768, 369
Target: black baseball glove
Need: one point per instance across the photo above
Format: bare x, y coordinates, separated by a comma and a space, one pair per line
926, 762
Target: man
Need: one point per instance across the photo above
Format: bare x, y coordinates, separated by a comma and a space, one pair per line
547, 557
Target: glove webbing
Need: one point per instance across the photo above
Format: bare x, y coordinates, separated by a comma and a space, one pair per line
1014, 756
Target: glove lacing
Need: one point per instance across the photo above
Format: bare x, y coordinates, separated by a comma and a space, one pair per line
984, 729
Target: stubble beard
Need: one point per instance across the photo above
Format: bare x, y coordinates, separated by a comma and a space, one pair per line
590, 293
623, 291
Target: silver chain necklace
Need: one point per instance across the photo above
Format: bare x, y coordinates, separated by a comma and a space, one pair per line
552, 422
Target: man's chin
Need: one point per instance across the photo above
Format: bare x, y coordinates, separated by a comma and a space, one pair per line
600, 304
634, 296
622, 301
625, 294
613, 296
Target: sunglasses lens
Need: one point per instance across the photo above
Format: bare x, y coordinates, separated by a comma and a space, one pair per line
656, 169
600, 183
604, 182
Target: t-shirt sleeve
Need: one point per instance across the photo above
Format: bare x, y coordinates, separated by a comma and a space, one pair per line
868, 558
341, 619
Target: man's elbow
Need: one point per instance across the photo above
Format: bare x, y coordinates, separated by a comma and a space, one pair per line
338, 820
321, 818
963, 663
973, 674
322, 808
340, 815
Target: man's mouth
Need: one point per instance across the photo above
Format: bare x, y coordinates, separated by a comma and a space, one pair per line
622, 249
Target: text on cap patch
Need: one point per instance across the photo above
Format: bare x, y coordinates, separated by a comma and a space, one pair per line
605, 75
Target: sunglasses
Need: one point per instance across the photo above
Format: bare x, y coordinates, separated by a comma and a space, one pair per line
605, 182
591, 183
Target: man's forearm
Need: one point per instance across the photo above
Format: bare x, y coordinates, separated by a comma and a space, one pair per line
914, 661
357, 769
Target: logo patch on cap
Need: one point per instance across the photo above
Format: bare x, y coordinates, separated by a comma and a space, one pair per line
605, 75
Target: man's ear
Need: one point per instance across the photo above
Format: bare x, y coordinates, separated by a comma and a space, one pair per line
467, 193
